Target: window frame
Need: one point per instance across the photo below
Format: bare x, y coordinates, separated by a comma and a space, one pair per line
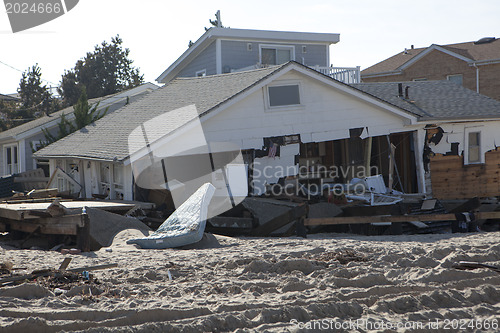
276, 47
456, 75
267, 97
467, 146
10, 170
203, 73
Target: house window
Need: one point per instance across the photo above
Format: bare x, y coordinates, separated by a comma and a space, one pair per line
275, 55
420, 79
474, 147
40, 163
201, 73
284, 95
11, 160
457, 78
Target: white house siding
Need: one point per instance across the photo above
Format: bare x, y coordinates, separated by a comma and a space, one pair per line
325, 114
205, 60
235, 54
457, 132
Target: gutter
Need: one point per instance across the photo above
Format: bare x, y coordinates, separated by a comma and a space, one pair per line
477, 76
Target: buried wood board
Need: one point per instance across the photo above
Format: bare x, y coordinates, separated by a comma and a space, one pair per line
21, 211
393, 218
63, 225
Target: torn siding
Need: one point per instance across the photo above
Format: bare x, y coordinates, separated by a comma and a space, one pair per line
465, 162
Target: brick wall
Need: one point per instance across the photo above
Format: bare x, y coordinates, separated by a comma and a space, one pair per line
437, 65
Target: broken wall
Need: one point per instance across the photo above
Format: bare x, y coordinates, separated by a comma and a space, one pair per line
452, 175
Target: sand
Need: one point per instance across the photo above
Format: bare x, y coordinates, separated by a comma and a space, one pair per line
336, 282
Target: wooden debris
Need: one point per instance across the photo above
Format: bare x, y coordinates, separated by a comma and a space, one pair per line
393, 218
469, 265
50, 272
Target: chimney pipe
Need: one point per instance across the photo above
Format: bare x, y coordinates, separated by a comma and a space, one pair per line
406, 92
400, 90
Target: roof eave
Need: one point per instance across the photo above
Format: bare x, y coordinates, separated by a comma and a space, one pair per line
459, 119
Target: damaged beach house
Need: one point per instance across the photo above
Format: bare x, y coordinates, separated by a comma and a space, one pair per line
262, 116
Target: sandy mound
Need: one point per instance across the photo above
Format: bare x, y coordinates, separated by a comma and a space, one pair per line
268, 284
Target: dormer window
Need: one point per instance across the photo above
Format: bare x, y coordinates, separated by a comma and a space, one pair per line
201, 73
285, 95
276, 54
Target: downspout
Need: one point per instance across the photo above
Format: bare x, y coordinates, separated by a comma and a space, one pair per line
477, 76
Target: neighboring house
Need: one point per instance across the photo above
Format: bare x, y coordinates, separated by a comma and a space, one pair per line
17, 144
475, 65
10, 98
226, 50
284, 119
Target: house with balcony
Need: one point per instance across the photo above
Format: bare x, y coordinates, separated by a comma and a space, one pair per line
227, 50
474, 65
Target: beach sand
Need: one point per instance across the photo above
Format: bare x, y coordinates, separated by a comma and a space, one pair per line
336, 282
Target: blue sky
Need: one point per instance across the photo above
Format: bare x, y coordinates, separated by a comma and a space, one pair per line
157, 31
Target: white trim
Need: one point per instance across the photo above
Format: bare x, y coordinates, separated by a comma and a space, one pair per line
203, 72
22, 156
429, 50
4, 154
289, 107
327, 55
218, 56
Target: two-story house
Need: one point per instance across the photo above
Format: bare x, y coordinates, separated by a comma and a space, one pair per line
226, 50
475, 65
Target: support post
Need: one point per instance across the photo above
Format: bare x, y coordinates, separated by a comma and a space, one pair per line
83, 232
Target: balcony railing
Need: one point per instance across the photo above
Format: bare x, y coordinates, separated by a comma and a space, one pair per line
344, 74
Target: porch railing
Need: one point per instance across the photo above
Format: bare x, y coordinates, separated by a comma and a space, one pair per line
344, 74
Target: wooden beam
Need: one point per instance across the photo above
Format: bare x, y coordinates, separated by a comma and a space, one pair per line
63, 225
393, 218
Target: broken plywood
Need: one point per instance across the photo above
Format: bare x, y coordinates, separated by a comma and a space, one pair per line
451, 179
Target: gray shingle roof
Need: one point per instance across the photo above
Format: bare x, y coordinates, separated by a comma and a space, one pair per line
11, 133
435, 99
113, 101
107, 138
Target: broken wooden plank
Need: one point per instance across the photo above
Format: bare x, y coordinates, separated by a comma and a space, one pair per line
20, 211
65, 263
393, 218
64, 225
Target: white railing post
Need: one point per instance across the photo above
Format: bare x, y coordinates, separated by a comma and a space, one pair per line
344, 74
